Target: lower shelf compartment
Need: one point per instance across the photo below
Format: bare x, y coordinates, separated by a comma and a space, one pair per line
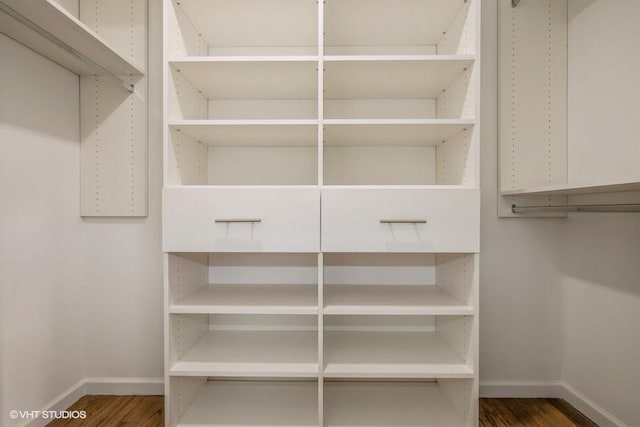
253, 403
445, 403
391, 355
280, 354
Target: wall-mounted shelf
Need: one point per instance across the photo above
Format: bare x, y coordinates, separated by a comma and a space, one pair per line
59, 23
568, 189
555, 142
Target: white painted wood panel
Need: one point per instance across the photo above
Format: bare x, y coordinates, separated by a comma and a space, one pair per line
290, 219
351, 220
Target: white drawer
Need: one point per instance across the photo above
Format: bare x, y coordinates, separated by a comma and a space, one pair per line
241, 220
400, 220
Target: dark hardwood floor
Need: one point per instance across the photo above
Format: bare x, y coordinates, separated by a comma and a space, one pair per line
146, 411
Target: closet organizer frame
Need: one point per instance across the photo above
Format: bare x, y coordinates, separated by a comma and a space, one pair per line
362, 115
323, 114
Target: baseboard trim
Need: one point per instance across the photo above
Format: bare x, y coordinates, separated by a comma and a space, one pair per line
588, 407
521, 389
125, 386
550, 389
92, 386
59, 403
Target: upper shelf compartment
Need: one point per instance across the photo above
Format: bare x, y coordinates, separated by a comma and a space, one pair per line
243, 28
400, 27
208, 88
49, 29
424, 87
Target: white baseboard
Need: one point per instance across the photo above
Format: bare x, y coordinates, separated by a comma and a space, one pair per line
125, 386
521, 389
588, 407
59, 403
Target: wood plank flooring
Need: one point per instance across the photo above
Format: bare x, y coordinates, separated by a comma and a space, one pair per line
147, 411
531, 412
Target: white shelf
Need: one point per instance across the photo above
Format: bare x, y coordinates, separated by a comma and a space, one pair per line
569, 189
259, 24
414, 132
392, 79
251, 404
282, 354
351, 354
244, 80
468, 59
209, 59
61, 24
388, 23
251, 299
294, 133
391, 300
388, 404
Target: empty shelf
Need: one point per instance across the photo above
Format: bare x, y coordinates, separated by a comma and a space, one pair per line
55, 20
416, 132
290, 354
251, 80
250, 132
251, 299
388, 404
249, 403
390, 355
381, 79
391, 300
364, 23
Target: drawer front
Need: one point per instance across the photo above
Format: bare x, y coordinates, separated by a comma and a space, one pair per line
400, 220
241, 220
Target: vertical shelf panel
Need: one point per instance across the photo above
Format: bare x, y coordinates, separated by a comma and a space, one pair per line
114, 143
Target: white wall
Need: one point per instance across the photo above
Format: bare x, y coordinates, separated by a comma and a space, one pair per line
41, 284
124, 265
520, 286
601, 253
601, 311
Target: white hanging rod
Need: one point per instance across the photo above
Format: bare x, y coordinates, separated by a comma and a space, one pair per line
576, 208
53, 39
514, 3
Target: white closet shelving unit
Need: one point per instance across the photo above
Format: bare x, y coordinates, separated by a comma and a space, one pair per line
362, 309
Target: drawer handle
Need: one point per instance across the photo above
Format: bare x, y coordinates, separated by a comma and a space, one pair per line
239, 220
403, 221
